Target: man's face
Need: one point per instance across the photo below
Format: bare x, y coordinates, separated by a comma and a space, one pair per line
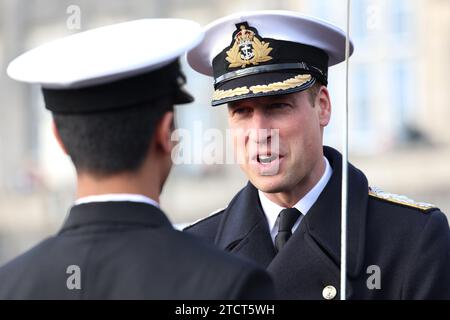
300, 123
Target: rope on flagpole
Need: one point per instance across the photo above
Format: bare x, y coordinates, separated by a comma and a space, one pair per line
344, 193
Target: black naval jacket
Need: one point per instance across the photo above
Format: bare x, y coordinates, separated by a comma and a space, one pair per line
129, 250
409, 243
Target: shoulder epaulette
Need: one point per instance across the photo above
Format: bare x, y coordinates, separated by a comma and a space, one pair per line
399, 199
212, 214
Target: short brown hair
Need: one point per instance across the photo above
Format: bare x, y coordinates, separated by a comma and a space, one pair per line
313, 91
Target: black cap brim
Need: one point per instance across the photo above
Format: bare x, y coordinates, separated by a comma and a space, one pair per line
183, 97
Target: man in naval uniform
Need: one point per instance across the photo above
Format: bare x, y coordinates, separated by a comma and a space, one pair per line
111, 92
271, 68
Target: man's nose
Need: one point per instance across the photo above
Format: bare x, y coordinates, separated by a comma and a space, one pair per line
260, 130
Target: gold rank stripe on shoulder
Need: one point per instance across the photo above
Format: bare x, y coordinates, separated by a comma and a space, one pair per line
399, 199
204, 218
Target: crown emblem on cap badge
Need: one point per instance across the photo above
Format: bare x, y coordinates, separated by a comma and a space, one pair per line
247, 49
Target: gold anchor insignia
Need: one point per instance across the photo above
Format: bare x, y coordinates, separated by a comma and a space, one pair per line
239, 54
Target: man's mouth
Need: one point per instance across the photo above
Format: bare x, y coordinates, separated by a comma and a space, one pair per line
267, 164
265, 159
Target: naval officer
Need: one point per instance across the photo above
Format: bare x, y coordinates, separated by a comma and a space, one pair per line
271, 69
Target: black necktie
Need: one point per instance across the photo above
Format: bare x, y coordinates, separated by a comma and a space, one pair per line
286, 220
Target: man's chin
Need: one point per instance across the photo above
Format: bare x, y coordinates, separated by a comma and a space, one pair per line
268, 184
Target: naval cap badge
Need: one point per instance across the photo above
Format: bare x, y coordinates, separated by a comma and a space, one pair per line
247, 48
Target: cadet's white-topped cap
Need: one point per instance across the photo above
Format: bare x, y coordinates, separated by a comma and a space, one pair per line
107, 53
264, 49
110, 67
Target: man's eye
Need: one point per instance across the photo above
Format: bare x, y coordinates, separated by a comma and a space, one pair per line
241, 111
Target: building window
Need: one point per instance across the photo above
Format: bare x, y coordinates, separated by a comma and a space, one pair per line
404, 99
400, 22
361, 123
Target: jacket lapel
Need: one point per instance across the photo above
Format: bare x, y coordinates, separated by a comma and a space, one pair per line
243, 229
324, 219
311, 257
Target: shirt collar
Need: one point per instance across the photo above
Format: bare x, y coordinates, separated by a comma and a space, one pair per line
116, 197
271, 209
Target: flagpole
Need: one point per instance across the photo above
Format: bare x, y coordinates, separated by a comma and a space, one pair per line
344, 194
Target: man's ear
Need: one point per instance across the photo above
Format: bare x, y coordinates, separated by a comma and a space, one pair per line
323, 101
58, 137
163, 132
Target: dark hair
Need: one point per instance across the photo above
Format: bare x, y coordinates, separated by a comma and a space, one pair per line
110, 142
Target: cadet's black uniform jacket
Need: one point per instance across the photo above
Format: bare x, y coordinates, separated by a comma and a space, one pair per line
129, 250
410, 244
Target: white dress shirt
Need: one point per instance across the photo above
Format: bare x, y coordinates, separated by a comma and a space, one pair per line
117, 197
272, 210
